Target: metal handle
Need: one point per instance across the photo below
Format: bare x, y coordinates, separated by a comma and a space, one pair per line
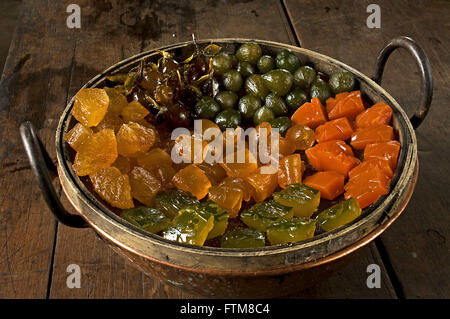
425, 72
41, 164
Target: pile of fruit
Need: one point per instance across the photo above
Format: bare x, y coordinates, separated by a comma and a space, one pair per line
335, 158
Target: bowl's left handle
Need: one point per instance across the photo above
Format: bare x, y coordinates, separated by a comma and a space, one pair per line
41, 164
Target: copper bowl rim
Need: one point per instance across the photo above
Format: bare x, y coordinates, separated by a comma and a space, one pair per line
403, 178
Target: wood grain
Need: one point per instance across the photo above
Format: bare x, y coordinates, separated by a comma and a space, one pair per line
416, 245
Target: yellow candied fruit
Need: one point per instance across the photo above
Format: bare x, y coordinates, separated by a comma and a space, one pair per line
124, 164
90, 106
228, 198
192, 179
144, 186
133, 138
241, 164
110, 121
113, 186
77, 135
190, 148
134, 112
98, 151
117, 101
263, 182
153, 158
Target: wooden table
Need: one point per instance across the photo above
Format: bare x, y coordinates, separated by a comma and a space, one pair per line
48, 63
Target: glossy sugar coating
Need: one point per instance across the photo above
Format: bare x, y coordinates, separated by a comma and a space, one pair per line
291, 230
98, 151
117, 101
290, 170
264, 214
134, 112
243, 238
148, 218
172, 200
339, 214
303, 199
133, 138
77, 135
228, 198
144, 186
113, 186
90, 106
263, 183
190, 227
192, 179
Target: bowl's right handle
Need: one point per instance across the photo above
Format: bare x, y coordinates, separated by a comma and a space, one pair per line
425, 72
41, 164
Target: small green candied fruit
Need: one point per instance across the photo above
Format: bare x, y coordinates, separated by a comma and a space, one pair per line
303, 199
278, 81
339, 214
220, 217
148, 218
291, 230
249, 52
190, 227
265, 214
172, 200
240, 237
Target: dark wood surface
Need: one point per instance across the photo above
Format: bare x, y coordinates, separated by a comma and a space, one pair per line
48, 63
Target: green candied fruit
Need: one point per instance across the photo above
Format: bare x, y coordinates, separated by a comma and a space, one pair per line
291, 230
220, 217
190, 227
302, 198
243, 238
148, 218
339, 214
172, 200
265, 214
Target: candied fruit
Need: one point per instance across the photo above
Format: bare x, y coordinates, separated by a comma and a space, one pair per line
172, 200
329, 183
240, 237
339, 214
113, 186
228, 198
303, 199
264, 214
98, 151
214, 172
77, 135
240, 183
134, 112
263, 183
153, 158
90, 106
117, 101
240, 164
301, 136
290, 170
124, 164
192, 179
148, 218
133, 138
291, 230
144, 186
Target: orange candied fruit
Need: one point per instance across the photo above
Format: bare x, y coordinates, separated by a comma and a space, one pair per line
228, 198
110, 121
124, 164
332, 156
192, 179
98, 151
264, 180
331, 101
113, 186
290, 170
77, 135
311, 114
387, 151
165, 175
349, 106
366, 187
240, 164
329, 183
117, 101
338, 129
371, 135
144, 186
378, 114
237, 182
153, 158
133, 138
214, 172
134, 112
190, 148
90, 106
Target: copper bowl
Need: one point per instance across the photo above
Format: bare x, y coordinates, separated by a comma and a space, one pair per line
217, 272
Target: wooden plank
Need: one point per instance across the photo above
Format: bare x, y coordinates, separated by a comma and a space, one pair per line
416, 245
29, 90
